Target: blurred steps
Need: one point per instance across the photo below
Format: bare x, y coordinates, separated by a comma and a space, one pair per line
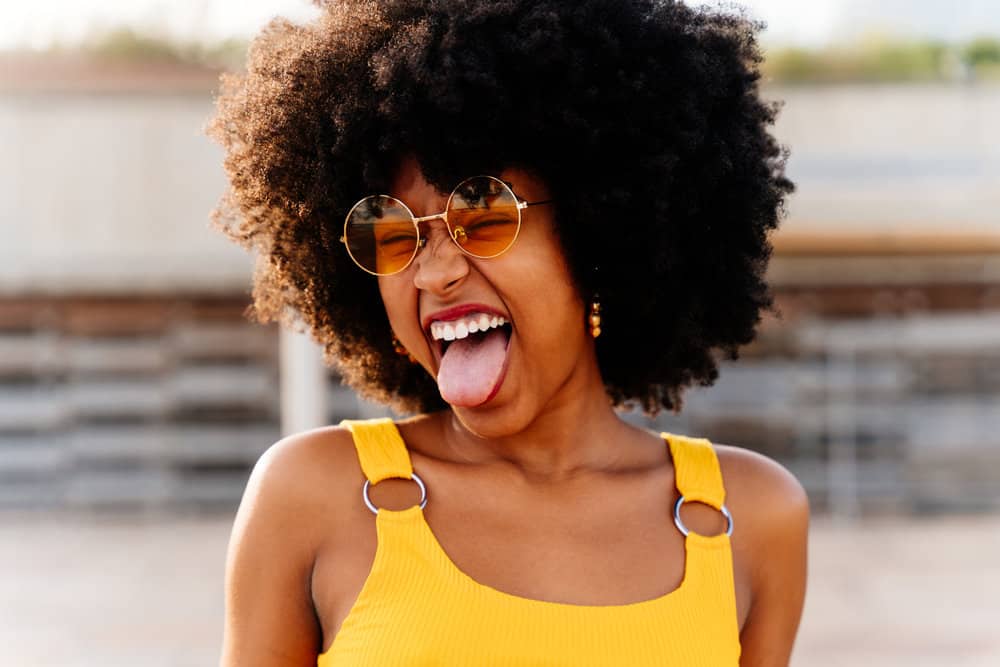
135, 402
168, 402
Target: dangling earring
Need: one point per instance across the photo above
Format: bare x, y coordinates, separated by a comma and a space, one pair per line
400, 350
595, 317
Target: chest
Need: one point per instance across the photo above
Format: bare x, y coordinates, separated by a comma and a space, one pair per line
582, 555
611, 543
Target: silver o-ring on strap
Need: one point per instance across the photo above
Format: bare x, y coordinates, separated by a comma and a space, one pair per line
414, 477
680, 524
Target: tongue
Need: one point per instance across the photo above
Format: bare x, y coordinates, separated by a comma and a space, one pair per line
471, 368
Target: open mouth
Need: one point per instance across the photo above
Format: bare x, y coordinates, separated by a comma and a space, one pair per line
473, 356
477, 327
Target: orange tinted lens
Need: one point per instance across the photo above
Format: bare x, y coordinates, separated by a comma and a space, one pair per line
483, 216
380, 235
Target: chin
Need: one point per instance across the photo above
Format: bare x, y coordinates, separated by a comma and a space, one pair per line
494, 419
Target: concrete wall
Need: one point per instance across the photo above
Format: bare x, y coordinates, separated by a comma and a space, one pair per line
910, 157
111, 193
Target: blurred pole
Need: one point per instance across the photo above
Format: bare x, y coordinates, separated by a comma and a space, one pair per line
303, 383
842, 429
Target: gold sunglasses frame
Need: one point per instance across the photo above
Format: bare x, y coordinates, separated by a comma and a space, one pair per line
443, 215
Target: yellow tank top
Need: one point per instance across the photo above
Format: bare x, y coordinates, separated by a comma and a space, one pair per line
417, 608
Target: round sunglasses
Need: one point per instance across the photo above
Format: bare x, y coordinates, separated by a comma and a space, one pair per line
483, 216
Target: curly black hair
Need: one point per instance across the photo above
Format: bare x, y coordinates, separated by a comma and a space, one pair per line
642, 117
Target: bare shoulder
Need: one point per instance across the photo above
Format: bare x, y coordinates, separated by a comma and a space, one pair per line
300, 451
770, 511
305, 467
764, 491
303, 475
292, 503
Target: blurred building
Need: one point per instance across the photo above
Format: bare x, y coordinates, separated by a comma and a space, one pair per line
129, 376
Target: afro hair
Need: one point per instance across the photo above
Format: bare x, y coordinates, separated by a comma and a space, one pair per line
642, 117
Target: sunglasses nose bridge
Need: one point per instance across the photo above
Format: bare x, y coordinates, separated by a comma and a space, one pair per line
422, 223
431, 234
427, 218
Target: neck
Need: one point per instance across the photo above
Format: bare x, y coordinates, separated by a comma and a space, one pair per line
576, 433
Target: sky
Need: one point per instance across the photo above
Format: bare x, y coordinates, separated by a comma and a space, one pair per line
39, 23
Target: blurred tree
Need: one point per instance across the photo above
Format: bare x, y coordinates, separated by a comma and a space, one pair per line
125, 43
128, 44
982, 52
879, 58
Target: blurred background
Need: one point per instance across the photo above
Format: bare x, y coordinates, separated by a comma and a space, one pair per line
135, 396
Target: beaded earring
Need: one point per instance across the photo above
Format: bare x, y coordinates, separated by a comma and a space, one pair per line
402, 351
595, 317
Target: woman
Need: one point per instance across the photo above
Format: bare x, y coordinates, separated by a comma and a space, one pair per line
510, 218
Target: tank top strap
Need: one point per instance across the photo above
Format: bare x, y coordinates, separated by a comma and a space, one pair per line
381, 449
696, 469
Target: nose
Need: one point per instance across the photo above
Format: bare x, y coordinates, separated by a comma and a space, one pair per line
440, 265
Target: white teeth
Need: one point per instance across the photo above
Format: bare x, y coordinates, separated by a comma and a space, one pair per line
462, 327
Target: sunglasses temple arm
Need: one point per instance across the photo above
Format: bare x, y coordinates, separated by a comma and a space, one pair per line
526, 204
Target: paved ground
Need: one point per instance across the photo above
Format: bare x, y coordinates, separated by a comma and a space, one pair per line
80, 590
893, 593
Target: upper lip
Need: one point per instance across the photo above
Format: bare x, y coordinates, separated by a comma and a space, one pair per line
456, 312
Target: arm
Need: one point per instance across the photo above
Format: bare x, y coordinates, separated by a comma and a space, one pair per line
775, 527
270, 619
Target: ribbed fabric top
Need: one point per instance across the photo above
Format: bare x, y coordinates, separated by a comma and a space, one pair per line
417, 608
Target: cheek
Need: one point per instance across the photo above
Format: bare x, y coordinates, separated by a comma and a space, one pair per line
561, 286
554, 310
555, 280
400, 304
